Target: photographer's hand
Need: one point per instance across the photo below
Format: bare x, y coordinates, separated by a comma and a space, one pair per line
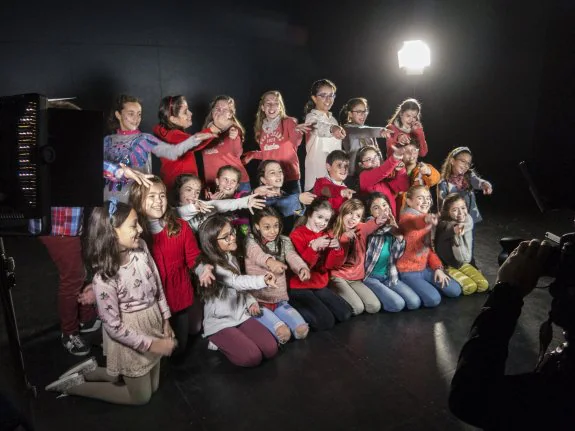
524, 265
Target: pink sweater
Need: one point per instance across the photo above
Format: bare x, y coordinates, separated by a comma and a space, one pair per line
255, 262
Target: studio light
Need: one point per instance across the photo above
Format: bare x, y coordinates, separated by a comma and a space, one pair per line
414, 56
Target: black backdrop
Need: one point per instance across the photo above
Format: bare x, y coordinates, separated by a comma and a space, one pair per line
501, 79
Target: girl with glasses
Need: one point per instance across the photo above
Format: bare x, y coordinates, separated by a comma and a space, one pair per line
458, 176
229, 308
353, 116
326, 134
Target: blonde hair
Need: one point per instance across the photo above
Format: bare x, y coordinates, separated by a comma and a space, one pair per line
348, 207
260, 115
232, 103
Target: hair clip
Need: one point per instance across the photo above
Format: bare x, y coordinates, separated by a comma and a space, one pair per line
113, 207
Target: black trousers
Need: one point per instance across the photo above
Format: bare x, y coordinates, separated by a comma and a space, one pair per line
321, 308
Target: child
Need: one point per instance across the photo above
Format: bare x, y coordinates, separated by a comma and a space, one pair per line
419, 267
318, 305
228, 308
347, 262
227, 149
332, 186
279, 137
326, 135
175, 117
454, 245
458, 176
388, 178
186, 198
405, 125
271, 175
268, 251
127, 152
384, 247
175, 250
420, 174
353, 116
133, 309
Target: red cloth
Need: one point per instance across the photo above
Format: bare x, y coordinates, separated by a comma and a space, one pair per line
222, 151
416, 134
174, 256
418, 253
184, 165
281, 145
386, 180
301, 236
327, 188
348, 261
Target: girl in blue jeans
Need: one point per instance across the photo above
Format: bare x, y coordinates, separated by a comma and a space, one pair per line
384, 247
269, 251
419, 267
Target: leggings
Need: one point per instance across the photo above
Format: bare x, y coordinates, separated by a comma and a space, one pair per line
470, 278
321, 308
247, 344
101, 386
184, 323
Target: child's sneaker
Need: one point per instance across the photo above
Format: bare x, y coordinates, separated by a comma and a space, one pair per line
91, 326
75, 344
62, 385
82, 368
212, 346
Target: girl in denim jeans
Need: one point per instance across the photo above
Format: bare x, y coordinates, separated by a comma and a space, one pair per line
267, 250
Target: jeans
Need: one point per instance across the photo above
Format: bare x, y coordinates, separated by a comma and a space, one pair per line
245, 187
393, 298
283, 314
428, 290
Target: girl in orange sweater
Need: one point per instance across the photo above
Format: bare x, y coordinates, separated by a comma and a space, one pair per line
419, 267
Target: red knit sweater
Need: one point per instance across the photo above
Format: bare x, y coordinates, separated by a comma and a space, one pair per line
416, 134
301, 237
222, 151
328, 189
418, 253
184, 165
386, 180
174, 256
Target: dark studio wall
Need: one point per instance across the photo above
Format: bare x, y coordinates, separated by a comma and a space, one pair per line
482, 90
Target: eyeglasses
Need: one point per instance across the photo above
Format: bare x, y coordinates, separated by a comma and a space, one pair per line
228, 238
465, 163
326, 95
361, 112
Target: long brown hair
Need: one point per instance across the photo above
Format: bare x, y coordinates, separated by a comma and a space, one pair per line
347, 208
448, 201
138, 195
210, 117
345, 113
121, 100
406, 105
318, 204
212, 254
102, 250
256, 233
310, 104
260, 115
170, 106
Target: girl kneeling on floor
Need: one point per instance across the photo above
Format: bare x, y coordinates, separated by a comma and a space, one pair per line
228, 308
133, 309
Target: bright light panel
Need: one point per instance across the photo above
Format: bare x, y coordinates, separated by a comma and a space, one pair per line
414, 56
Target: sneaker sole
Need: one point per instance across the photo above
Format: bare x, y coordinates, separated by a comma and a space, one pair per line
82, 368
92, 328
61, 385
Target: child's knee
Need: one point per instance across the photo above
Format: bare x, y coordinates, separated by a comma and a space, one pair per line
482, 285
250, 358
357, 307
301, 331
141, 398
283, 333
373, 307
469, 287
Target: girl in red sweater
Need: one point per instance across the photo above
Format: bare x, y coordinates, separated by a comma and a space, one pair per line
227, 148
174, 249
346, 263
405, 125
319, 306
419, 267
279, 137
175, 117
389, 178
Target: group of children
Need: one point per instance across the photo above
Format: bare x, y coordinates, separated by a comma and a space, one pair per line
256, 267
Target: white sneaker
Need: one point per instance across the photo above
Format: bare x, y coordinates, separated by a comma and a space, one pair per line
62, 385
82, 368
212, 346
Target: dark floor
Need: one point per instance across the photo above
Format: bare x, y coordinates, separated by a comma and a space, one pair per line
388, 371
